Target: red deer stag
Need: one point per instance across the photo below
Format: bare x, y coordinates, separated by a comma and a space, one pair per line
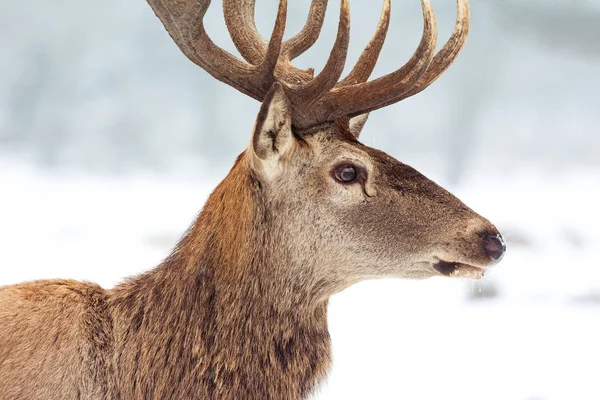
239, 308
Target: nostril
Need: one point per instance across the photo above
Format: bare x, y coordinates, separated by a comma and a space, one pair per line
494, 246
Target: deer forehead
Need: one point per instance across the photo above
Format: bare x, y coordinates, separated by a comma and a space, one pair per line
333, 152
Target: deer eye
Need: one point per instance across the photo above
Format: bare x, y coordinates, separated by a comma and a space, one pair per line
346, 174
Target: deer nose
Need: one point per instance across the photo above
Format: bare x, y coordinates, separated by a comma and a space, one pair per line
494, 246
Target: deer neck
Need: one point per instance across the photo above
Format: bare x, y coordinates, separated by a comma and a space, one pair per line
222, 306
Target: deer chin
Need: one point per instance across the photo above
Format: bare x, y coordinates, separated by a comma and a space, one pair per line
459, 270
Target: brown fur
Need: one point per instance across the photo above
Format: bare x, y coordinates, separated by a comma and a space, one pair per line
239, 309
50, 330
207, 323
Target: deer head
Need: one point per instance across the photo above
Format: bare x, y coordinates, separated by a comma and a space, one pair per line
319, 192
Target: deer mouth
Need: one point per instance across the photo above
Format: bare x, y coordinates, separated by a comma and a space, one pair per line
459, 270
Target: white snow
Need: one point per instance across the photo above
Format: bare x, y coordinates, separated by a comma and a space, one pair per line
529, 330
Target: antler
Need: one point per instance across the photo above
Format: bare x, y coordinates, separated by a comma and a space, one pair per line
320, 99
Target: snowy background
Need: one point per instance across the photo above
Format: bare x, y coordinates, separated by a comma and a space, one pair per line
111, 140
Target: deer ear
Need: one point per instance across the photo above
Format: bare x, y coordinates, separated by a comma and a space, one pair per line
358, 123
273, 130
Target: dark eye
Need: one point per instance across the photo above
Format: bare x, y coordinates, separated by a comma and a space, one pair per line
346, 174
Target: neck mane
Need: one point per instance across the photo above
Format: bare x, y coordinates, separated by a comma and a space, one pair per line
219, 318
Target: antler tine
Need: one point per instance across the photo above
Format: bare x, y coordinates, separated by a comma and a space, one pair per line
303, 96
349, 101
241, 24
271, 58
446, 56
368, 59
309, 34
239, 18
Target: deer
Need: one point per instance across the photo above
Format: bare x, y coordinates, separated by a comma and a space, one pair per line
238, 309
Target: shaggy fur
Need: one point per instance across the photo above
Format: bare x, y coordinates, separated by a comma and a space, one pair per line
208, 323
239, 309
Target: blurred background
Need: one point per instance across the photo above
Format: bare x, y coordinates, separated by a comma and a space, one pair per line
111, 140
